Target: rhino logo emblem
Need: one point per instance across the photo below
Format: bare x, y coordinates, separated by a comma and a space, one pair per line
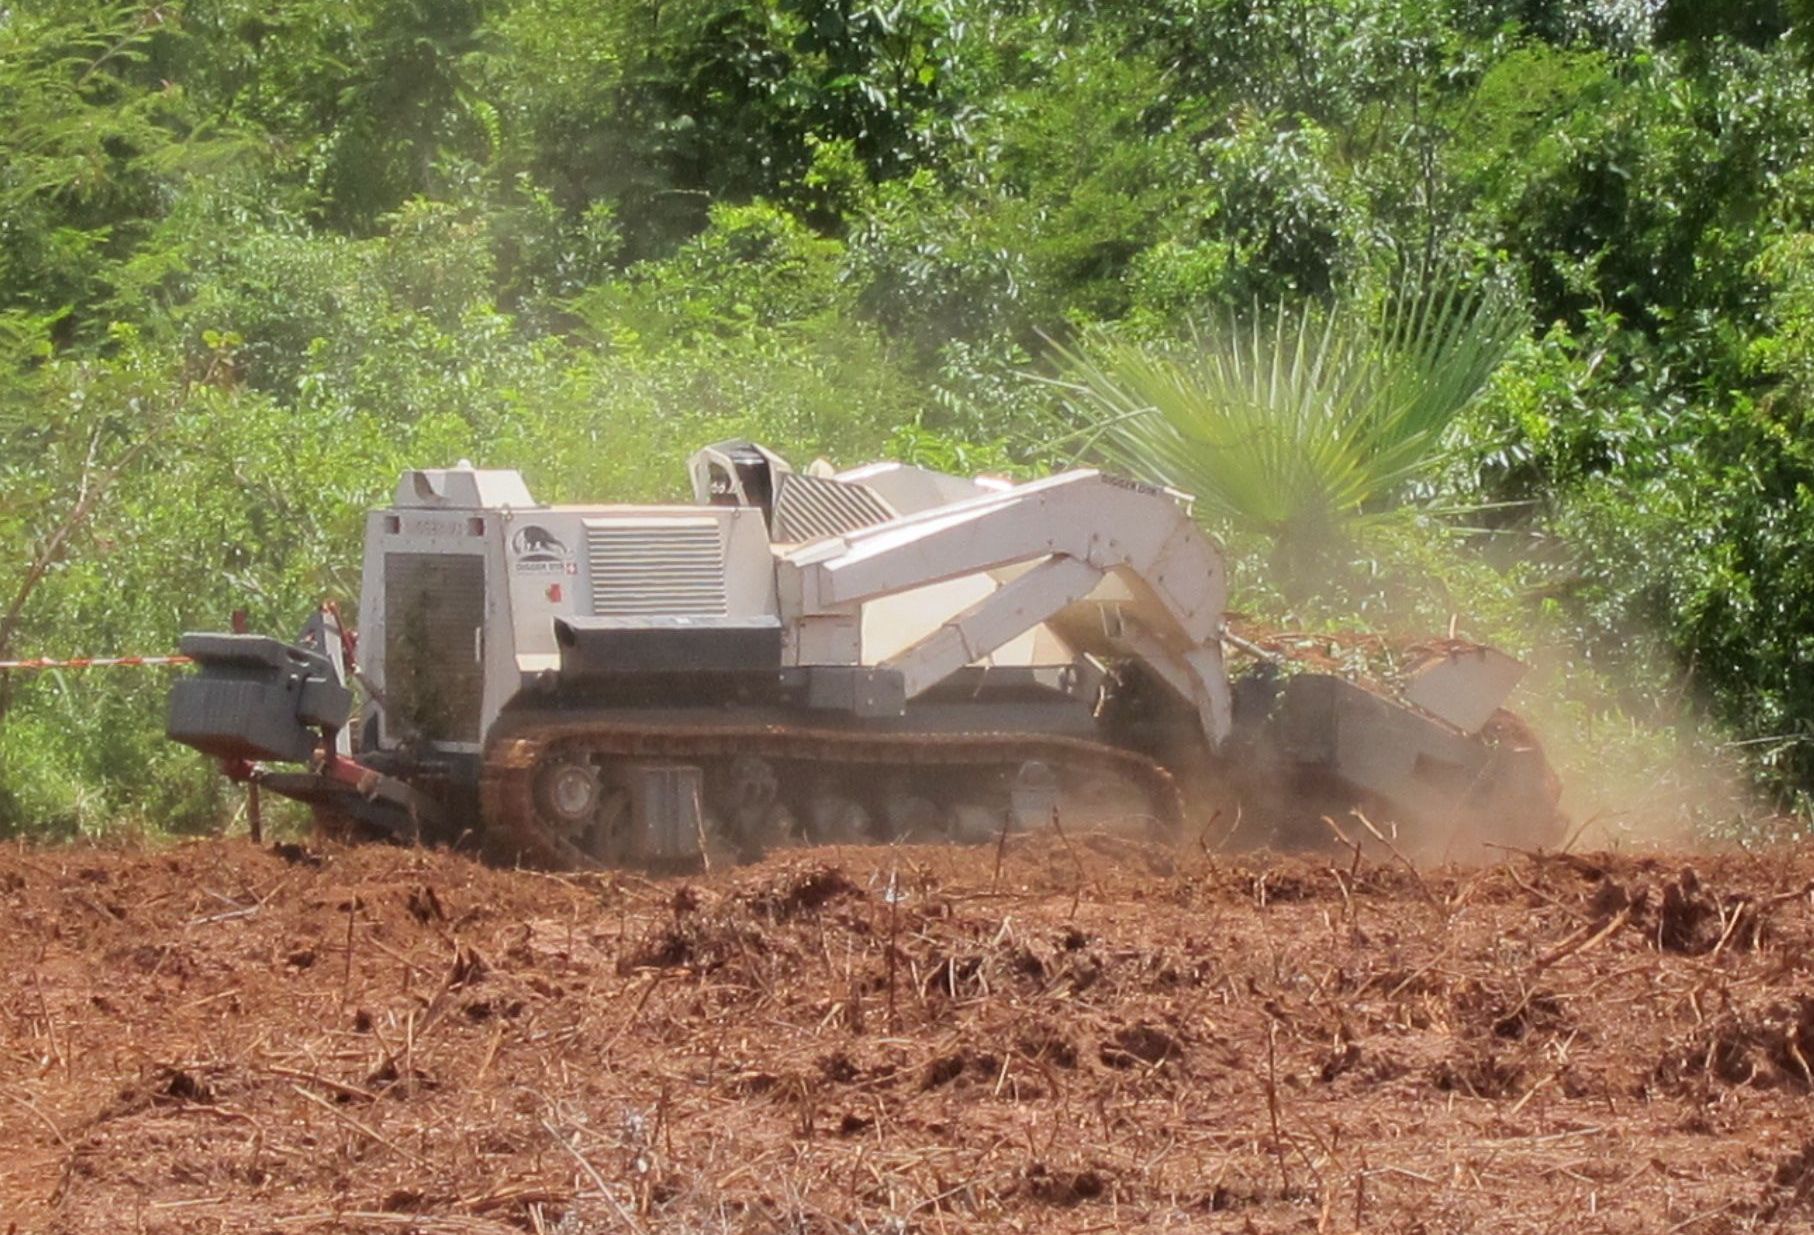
538, 544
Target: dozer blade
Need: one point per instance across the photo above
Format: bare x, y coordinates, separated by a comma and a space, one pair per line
255, 698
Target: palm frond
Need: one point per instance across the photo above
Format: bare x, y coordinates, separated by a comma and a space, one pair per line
1296, 422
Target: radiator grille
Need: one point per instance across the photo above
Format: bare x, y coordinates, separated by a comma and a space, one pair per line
809, 507
648, 569
434, 605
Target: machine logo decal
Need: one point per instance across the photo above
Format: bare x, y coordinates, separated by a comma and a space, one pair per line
539, 551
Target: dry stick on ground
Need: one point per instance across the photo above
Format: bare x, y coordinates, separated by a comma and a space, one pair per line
1399, 854
598, 1180
491, 1053
346, 972
1347, 843
1512, 872
364, 1129
1744, 911
1795, 894
50, 1024
1573, 861
1001, 849
705, 848
894, 895
434, 1014
1576, 834
1233, 827
315, 1078
1272, 1102
1584, 939
1751, 912
1530, 1093
1082, 875
255, 816
1203, 832
648, 990
31, 1106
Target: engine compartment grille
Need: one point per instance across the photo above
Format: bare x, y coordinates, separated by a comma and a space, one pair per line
434, 609
811, 507
654, 568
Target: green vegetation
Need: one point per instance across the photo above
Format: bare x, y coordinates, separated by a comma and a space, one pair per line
256, 258
1289, 427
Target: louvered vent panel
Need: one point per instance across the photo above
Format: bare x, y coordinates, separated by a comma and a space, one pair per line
655, 570
809, 507
434, 605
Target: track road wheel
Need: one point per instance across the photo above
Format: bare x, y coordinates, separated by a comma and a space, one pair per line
579, 814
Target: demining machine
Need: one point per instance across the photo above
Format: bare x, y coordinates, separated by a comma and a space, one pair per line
881, 654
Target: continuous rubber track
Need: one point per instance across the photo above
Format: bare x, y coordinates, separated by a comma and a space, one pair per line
513, 825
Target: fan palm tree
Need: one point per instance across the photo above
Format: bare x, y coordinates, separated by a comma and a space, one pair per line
1301, 424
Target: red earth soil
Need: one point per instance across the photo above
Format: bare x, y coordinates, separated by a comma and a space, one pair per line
1072, 1034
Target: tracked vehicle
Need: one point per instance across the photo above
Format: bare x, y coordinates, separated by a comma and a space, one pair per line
876, 654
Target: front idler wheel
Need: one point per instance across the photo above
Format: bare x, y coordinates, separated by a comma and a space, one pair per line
567, 792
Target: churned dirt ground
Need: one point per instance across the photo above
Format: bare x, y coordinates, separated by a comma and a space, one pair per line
1093, 1036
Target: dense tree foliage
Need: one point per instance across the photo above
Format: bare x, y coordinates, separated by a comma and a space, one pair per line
255, 258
